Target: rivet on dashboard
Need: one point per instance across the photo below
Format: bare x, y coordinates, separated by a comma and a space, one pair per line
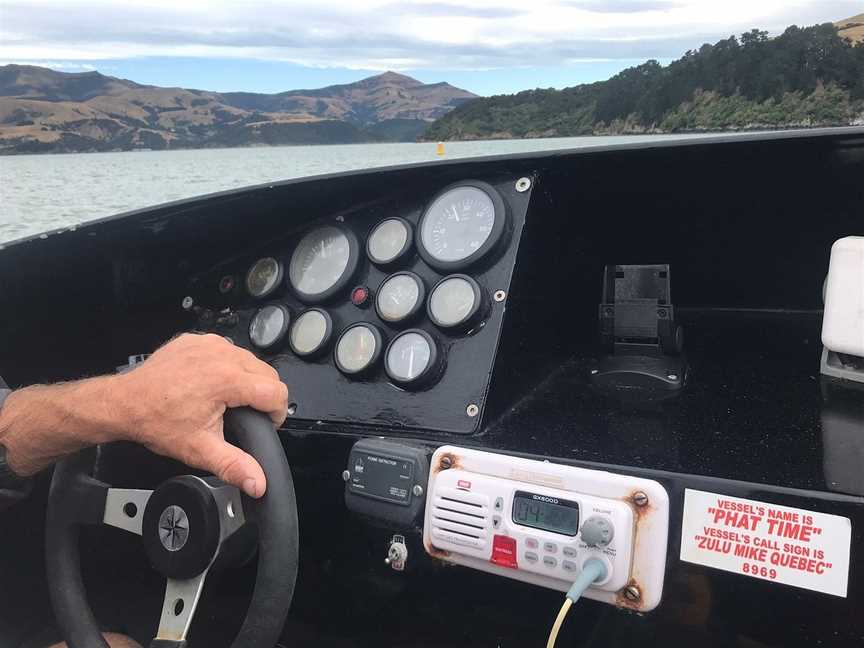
187, 303
500, 295
640, 498
472, 410
632, 593
417, 490
523, 185
292, 409
346, 475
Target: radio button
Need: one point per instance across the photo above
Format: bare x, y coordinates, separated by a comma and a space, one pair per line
570, 552
550, 547
531, 543
549, 561
531, 557
496, 521
569, 566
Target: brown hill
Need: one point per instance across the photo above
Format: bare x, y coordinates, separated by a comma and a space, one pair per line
46, 110
852, 28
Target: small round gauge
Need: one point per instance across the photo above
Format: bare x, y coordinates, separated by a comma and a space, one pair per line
268, 326
264, 277
412, 358
455, 302
462, 224
358, 348
400, 297
311, 332
323, 263
390, 240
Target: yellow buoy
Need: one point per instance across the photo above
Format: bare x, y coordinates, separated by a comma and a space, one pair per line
439, 149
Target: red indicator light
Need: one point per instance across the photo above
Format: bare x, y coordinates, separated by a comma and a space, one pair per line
360, 296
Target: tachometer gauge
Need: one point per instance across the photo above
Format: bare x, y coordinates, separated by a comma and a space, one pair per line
358, 349
310, 333
264, 277
268, 326
461, 225
455, 302
412, 359
323, 263
400, 297
390, 240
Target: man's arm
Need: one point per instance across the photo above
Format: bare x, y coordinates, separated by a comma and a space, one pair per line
172, 403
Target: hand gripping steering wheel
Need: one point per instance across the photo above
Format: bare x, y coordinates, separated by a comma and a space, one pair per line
183, 524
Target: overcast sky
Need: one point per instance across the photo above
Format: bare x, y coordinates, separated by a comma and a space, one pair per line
486, 47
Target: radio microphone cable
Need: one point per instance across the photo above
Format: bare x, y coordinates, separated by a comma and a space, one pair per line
593, 571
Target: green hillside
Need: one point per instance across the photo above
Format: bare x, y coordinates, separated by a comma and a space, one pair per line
804, 77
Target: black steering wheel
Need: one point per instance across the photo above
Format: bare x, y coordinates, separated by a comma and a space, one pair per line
183, 523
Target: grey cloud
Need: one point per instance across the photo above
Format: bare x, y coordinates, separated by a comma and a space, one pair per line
449, 10
623, 6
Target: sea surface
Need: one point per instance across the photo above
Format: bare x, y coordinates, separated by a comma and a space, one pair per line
45, 192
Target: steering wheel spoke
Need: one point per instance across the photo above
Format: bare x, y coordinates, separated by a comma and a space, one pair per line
178, 609
124, 508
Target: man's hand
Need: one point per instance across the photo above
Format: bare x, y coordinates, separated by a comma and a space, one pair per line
173, 404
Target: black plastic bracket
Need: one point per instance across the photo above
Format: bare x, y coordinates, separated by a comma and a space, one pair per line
640, 334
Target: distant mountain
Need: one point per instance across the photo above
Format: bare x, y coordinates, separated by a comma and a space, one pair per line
811, 76
852, 28
42, 110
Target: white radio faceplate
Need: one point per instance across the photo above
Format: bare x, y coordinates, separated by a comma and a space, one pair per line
539, 522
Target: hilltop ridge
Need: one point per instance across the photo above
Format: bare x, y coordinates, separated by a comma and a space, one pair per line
43, 110
812, 76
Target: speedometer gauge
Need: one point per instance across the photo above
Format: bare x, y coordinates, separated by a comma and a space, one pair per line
323, 263
462, 225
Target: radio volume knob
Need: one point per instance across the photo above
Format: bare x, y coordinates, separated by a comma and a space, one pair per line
597, 531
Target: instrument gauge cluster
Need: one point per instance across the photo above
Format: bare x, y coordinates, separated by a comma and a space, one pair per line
426, 272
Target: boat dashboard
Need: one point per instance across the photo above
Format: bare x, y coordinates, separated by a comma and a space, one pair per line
379, 315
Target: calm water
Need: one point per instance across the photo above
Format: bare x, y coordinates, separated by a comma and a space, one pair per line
44, 192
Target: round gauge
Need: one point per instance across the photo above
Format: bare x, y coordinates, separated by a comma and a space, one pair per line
400, 296
264, 277
412, 358
323, 263
268, 326
455, 301
461, 225
310, 332
389, 241
358, 348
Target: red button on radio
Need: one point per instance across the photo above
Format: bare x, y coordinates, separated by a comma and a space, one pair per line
504, 551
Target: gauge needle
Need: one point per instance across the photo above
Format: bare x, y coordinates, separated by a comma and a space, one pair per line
455, 213
411, 363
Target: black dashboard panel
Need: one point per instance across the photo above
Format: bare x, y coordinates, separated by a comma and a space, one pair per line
322, 395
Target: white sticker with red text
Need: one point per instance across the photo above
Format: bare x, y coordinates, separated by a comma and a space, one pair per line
776, 543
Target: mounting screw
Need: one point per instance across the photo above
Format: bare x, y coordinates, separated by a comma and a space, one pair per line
672, 376
640, 498
661, 313
523, 185
346, 475
187, 303
500, 295
292, 409
632, 593
608, 312
472, 410
417, 490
